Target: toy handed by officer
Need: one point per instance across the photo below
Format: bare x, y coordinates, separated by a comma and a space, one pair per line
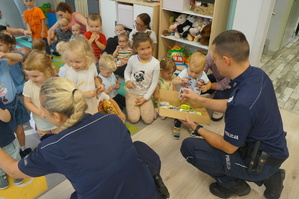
253, 145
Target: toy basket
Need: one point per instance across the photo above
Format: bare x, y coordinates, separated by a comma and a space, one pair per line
204, 8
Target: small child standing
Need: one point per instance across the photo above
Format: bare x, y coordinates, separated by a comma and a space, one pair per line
76, 31
38, 69
95, 38
8, 143
19, 114
141, 76
194, 78
81, 70
35, 22
108, 105
60, 34
107, 67
122, 53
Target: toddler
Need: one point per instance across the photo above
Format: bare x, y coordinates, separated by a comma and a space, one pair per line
38, 69
167, 68
141, 76
122, 54
81, 70
107, 67
194, 78
76, 30
60, 34
108, 105
94, 36
112, 42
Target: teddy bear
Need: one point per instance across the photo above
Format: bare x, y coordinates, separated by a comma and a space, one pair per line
204, 36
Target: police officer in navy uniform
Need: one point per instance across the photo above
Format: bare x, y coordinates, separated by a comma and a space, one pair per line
253, 145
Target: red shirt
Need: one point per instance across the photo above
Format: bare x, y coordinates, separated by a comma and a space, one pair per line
96, 50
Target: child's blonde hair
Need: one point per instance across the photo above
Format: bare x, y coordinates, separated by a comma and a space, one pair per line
197, 60
78, 46
76, 26
38, 45
107, 62
167, 64
95, 17
62, 21
123, 35
39, 61
60, 95
120, 25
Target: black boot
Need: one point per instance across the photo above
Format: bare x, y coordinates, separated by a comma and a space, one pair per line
240, 189
274, 185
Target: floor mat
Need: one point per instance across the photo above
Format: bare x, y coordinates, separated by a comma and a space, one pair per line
29, 189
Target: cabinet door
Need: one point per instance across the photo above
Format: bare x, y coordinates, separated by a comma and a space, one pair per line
138, 9
108, 13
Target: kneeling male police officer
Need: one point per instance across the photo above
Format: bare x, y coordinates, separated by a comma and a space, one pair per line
253, 145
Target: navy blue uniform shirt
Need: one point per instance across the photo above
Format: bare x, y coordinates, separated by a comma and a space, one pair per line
97, 156
252, 114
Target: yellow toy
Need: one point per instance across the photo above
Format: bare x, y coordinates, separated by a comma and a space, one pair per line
108, 107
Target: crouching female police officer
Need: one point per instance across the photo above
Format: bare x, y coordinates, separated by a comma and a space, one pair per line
253, 145
95, 152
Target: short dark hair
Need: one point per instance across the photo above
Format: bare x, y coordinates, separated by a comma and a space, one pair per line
146, 19
232, 43
95, 17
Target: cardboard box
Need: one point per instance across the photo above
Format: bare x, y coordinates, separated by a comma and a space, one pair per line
172, 97
178, 5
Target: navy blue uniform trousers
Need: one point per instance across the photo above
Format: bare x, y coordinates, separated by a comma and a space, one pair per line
225, 168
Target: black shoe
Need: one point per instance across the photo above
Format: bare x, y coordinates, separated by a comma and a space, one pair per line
160, 185
25, 152
55, 53
240, 189
274, 185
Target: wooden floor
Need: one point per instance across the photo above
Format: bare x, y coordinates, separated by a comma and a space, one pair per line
186, 182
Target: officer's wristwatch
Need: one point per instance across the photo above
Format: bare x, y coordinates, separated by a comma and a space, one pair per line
197, 128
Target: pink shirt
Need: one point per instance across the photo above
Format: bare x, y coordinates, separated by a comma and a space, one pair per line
73, 21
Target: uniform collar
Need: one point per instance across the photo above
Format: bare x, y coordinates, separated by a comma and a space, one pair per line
235, 82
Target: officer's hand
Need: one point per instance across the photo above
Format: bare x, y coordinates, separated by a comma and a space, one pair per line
190, 124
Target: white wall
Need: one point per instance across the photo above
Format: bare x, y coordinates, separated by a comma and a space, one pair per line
277, 25
253, 19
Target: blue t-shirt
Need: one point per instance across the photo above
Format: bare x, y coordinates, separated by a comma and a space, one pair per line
6, 134
17, 75
252, 114
7, 87
97, 156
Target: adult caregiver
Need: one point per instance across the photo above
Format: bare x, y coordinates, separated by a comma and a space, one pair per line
64, 10
253, 145
94, 152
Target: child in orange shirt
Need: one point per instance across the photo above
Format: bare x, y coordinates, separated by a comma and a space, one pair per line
35, 22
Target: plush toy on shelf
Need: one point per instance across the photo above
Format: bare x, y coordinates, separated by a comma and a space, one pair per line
204, 36
184, 26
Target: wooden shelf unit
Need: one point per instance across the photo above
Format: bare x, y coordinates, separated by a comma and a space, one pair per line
219, 22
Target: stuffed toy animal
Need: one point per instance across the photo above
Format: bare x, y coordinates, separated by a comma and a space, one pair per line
204, 37
183, 28
108, 107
